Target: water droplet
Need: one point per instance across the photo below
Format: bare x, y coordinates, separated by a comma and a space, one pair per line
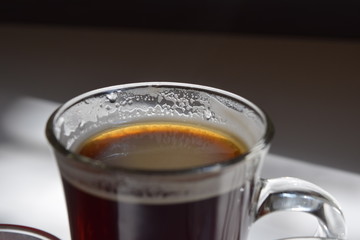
112, 96
108, 107
207, 114
82, 123
60, 121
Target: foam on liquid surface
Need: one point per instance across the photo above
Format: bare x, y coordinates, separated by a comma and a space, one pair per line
161, 146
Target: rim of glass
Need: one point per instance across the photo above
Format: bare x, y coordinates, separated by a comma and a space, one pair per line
260, 144
27, 231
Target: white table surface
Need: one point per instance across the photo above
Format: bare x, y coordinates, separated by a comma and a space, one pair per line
31, 192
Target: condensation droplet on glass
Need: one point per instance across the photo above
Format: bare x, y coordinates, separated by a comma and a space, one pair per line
82, 123
61, 121
112, 96
207, 114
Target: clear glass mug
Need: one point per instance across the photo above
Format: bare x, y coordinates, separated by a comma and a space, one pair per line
310, 238
218, 200
17, 232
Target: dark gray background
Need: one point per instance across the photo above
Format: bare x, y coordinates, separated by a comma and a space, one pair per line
317, 18
309, 86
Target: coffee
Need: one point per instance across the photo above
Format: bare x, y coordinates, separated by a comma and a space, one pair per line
158, 146
217, 218
162, 146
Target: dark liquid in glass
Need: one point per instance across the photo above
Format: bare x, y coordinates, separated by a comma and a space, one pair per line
159, 147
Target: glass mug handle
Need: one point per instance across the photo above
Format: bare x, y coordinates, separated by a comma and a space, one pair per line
292, 194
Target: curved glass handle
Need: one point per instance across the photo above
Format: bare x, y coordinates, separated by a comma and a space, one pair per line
291, 194
310, 238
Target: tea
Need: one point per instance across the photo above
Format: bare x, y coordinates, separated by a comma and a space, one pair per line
223, 217
159, 146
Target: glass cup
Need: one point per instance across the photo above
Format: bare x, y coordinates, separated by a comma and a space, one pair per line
310, 238
218, 200
16, 232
